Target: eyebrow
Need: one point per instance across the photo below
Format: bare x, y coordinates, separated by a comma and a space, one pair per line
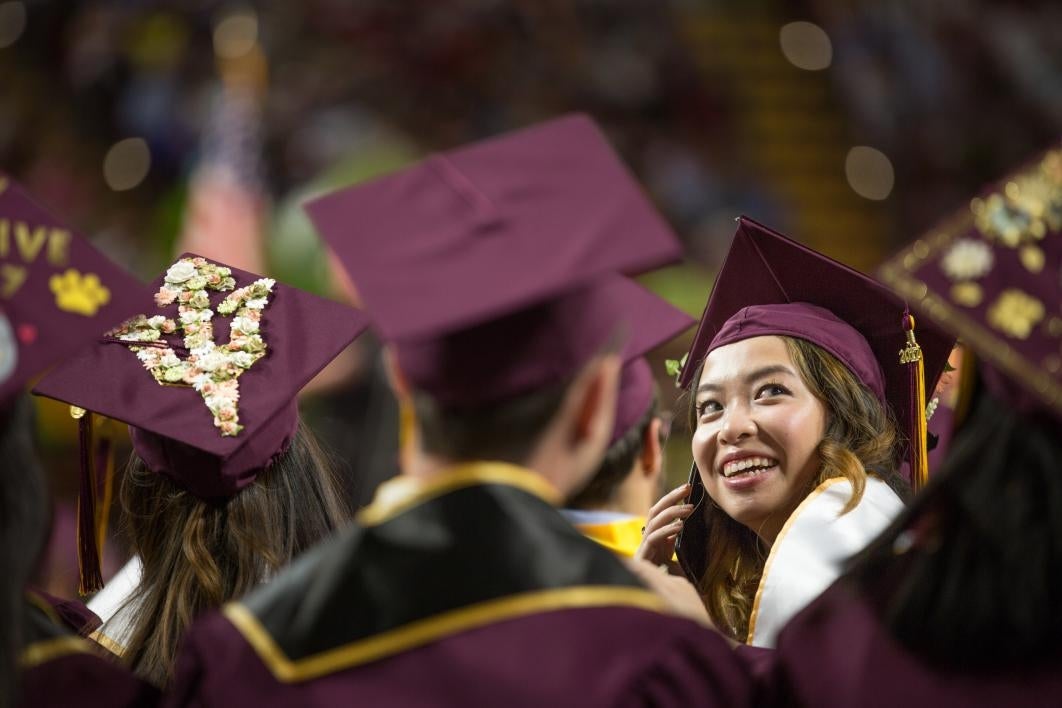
760, 373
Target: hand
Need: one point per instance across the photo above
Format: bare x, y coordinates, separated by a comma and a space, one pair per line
663, 525
677, 593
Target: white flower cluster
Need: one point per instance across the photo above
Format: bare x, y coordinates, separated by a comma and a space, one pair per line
211, 369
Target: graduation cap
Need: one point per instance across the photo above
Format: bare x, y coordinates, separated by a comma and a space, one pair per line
485, 266
207, 375
652, 322
56, 290
771, 285
992, 275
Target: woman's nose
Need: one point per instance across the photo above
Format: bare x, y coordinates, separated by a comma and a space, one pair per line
737, 423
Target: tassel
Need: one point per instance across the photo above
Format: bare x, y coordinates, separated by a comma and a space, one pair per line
104, 470
90, 579
911, 356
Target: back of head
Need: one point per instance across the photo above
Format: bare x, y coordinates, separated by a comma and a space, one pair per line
198, 554
970, 577
23, 530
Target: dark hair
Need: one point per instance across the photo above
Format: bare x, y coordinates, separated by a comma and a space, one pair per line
860, 437
505, 430
617, 465
197, 555
970, 576
24, 517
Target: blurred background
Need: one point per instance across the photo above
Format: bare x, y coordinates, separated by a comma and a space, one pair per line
158, 127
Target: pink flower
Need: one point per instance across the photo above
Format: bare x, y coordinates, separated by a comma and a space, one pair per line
199, 261
209, 388
227, 413
169, 327
213, 278
229, 427
185, 296
165, 296
255, 315
191, 328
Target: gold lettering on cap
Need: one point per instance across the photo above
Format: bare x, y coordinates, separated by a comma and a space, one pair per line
29, 240
11, 279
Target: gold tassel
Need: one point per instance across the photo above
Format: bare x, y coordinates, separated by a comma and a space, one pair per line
911, 355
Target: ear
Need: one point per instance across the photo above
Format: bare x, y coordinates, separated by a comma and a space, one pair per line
652, 457
596, 404
395, 377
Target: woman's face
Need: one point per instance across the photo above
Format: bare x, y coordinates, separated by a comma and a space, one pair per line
758, 427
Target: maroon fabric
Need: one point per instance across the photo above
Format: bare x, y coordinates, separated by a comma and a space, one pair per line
83, 680
74, 614
1001, 299
580, 658
537, 346
636, 390
302, 332
488, 229
813, 323
840, 309
39, 324
836, 653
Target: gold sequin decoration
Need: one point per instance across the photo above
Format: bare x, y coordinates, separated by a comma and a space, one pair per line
1015, 313
1032, 258
967, 294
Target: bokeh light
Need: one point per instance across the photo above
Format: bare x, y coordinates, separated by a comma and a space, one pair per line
126, 164
869, 172
806, 46
12, 22
236, 34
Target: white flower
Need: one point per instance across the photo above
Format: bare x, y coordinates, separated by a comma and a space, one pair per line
199, 381
212, 361
149, 356
189, 316
206, 315
169, 358
203, 350
967, 259
245, 325
156, 321
242, 359
257, 303
180, 272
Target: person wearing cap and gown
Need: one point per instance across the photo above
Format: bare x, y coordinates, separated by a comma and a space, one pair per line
59, 293
611, 508
490, 272
796, 376
959, 602
225, 485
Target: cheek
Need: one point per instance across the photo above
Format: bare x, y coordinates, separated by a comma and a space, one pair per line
703, 445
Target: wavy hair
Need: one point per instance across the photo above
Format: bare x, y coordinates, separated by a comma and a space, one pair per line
860, 437
197, 555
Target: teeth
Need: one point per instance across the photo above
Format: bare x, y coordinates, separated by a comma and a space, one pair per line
753, 464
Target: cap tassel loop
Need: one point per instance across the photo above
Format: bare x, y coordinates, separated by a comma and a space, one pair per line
911, 356
90, 578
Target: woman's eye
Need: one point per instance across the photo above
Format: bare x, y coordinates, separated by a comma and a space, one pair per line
769, 390
708, 407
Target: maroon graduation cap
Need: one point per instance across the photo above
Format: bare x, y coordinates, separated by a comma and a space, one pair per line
207, 375
56, 290
771, 285
653, 321
992, 275
489, 268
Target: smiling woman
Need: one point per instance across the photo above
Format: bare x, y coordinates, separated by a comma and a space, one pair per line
796, 389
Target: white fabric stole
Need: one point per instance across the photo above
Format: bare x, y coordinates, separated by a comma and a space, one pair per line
108, 603
810, 551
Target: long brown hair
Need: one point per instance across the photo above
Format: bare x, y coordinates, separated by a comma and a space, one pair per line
197, 555
860, 436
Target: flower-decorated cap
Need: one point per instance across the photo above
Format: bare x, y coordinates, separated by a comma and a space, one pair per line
481, 264
653, 321
57, 292
207, 375
991, 274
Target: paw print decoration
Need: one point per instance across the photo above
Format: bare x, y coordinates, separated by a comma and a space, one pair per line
79, 294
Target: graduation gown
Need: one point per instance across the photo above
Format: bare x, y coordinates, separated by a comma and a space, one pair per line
467, 590
619, 533
837, 653
60, 669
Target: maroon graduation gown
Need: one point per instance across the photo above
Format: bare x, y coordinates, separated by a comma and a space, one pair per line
60, 669
836, 653
472, 593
